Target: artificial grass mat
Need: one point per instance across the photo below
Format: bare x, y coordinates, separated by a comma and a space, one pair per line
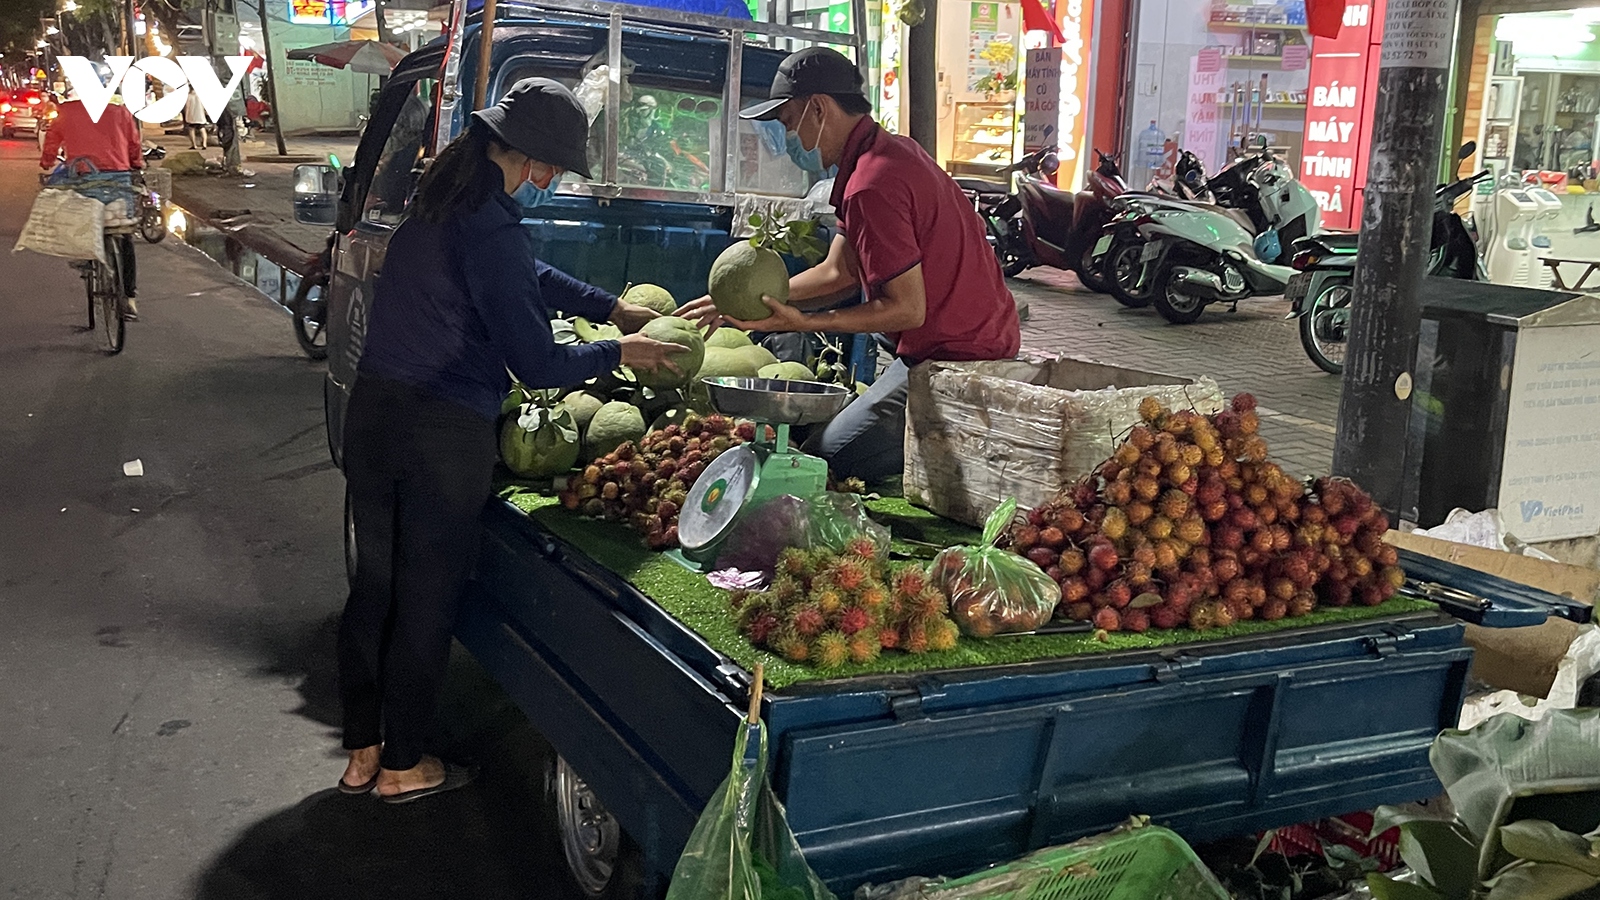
692, 600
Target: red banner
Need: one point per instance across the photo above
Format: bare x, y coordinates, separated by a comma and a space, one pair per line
1339, 106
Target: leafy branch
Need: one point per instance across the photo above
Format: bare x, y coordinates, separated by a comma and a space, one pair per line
797, 237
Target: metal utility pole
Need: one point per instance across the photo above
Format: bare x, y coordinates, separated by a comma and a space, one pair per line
922, 71
1396, 224
130, 36
272, 78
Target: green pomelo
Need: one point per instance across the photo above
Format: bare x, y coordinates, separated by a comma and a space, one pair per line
583, 406
613, 425
536, 442
673, 330
724, 363
726, 338
758, 356
787, 371
651, 296
741, 275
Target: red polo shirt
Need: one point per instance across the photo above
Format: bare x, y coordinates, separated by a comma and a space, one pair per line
897, 209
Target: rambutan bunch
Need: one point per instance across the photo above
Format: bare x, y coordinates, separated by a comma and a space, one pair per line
831, 609
645, 484
1189, 523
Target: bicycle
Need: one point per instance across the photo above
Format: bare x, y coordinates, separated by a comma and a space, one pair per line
103, 287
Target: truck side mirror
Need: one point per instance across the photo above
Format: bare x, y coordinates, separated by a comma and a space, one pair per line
316, 195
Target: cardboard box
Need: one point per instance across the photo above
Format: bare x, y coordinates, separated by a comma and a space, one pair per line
979, 432
1517, 659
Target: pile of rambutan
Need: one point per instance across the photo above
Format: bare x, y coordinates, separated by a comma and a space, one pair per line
828, 609
645, 485
1189, 524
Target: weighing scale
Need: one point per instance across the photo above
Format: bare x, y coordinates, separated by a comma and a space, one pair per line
750, 474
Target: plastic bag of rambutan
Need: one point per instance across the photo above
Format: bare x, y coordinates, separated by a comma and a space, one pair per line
994, 591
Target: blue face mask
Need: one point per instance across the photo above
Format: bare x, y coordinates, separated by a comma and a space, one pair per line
807, 160
530, 195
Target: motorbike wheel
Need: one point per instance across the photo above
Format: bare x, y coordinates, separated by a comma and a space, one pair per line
1174, 305
1121, 269
151, 226
1324, 328
1012, 260
1089, 274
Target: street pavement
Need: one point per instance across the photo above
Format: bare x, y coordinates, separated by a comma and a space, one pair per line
167, 695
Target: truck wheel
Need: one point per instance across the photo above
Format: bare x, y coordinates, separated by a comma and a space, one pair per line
601, 861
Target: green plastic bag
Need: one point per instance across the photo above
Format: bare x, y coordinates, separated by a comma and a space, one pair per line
742, 848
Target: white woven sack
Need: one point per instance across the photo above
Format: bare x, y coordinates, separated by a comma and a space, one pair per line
65, 223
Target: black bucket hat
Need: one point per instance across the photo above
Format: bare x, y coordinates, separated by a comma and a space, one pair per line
541, 119
814, 70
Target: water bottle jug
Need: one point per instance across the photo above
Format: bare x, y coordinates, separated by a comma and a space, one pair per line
1151, 149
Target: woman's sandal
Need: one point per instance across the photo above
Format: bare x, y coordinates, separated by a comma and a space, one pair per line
356, 790
454, 777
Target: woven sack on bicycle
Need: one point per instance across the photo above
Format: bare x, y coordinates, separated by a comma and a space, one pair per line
114, 189
65, 223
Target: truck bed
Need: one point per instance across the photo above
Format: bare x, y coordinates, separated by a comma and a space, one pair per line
945, 771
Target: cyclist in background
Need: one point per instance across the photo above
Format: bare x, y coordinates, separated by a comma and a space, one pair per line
112, 144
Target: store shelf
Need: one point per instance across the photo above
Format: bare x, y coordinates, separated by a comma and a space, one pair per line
1257, 26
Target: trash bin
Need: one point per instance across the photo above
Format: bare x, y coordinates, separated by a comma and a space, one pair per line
1506, 408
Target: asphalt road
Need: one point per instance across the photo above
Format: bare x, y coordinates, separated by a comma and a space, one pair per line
167, 707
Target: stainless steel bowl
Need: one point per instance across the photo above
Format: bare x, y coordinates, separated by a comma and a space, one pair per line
772, 400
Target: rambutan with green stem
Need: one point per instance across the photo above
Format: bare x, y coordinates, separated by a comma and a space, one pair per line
861, 547
808, 620
929, 603
849, 573
942, 634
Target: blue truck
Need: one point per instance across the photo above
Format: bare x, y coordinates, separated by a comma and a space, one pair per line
887, 776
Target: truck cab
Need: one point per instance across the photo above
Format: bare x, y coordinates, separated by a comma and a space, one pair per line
677, 173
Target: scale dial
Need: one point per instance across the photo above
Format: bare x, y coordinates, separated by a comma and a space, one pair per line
716, 498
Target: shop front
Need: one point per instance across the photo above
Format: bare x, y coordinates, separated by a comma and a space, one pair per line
1211, 78
1535, 117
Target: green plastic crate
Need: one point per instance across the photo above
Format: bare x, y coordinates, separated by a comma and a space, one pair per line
1143, 863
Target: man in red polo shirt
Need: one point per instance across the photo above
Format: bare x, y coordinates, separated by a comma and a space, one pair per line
910, 240
112, 144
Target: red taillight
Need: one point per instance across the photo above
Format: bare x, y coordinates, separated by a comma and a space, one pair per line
1305, 259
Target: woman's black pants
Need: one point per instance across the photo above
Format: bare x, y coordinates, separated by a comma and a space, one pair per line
418, 470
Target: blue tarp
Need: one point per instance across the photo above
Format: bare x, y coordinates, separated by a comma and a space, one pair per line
733, 9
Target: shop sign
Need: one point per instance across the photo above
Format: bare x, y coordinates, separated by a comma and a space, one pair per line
327, 12
1077, 27
1339, 109
1200, 117
1041, 115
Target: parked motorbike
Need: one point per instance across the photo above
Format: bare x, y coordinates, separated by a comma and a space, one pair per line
1118, 255
1319, 292
1039, 224
1195, 255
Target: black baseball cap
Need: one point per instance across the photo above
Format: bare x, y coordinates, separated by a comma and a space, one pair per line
541, 119
814, 70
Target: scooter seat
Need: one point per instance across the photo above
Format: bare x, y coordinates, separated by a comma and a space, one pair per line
1339, 240
982, 186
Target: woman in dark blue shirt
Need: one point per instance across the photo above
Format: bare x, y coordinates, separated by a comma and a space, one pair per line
459, 301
